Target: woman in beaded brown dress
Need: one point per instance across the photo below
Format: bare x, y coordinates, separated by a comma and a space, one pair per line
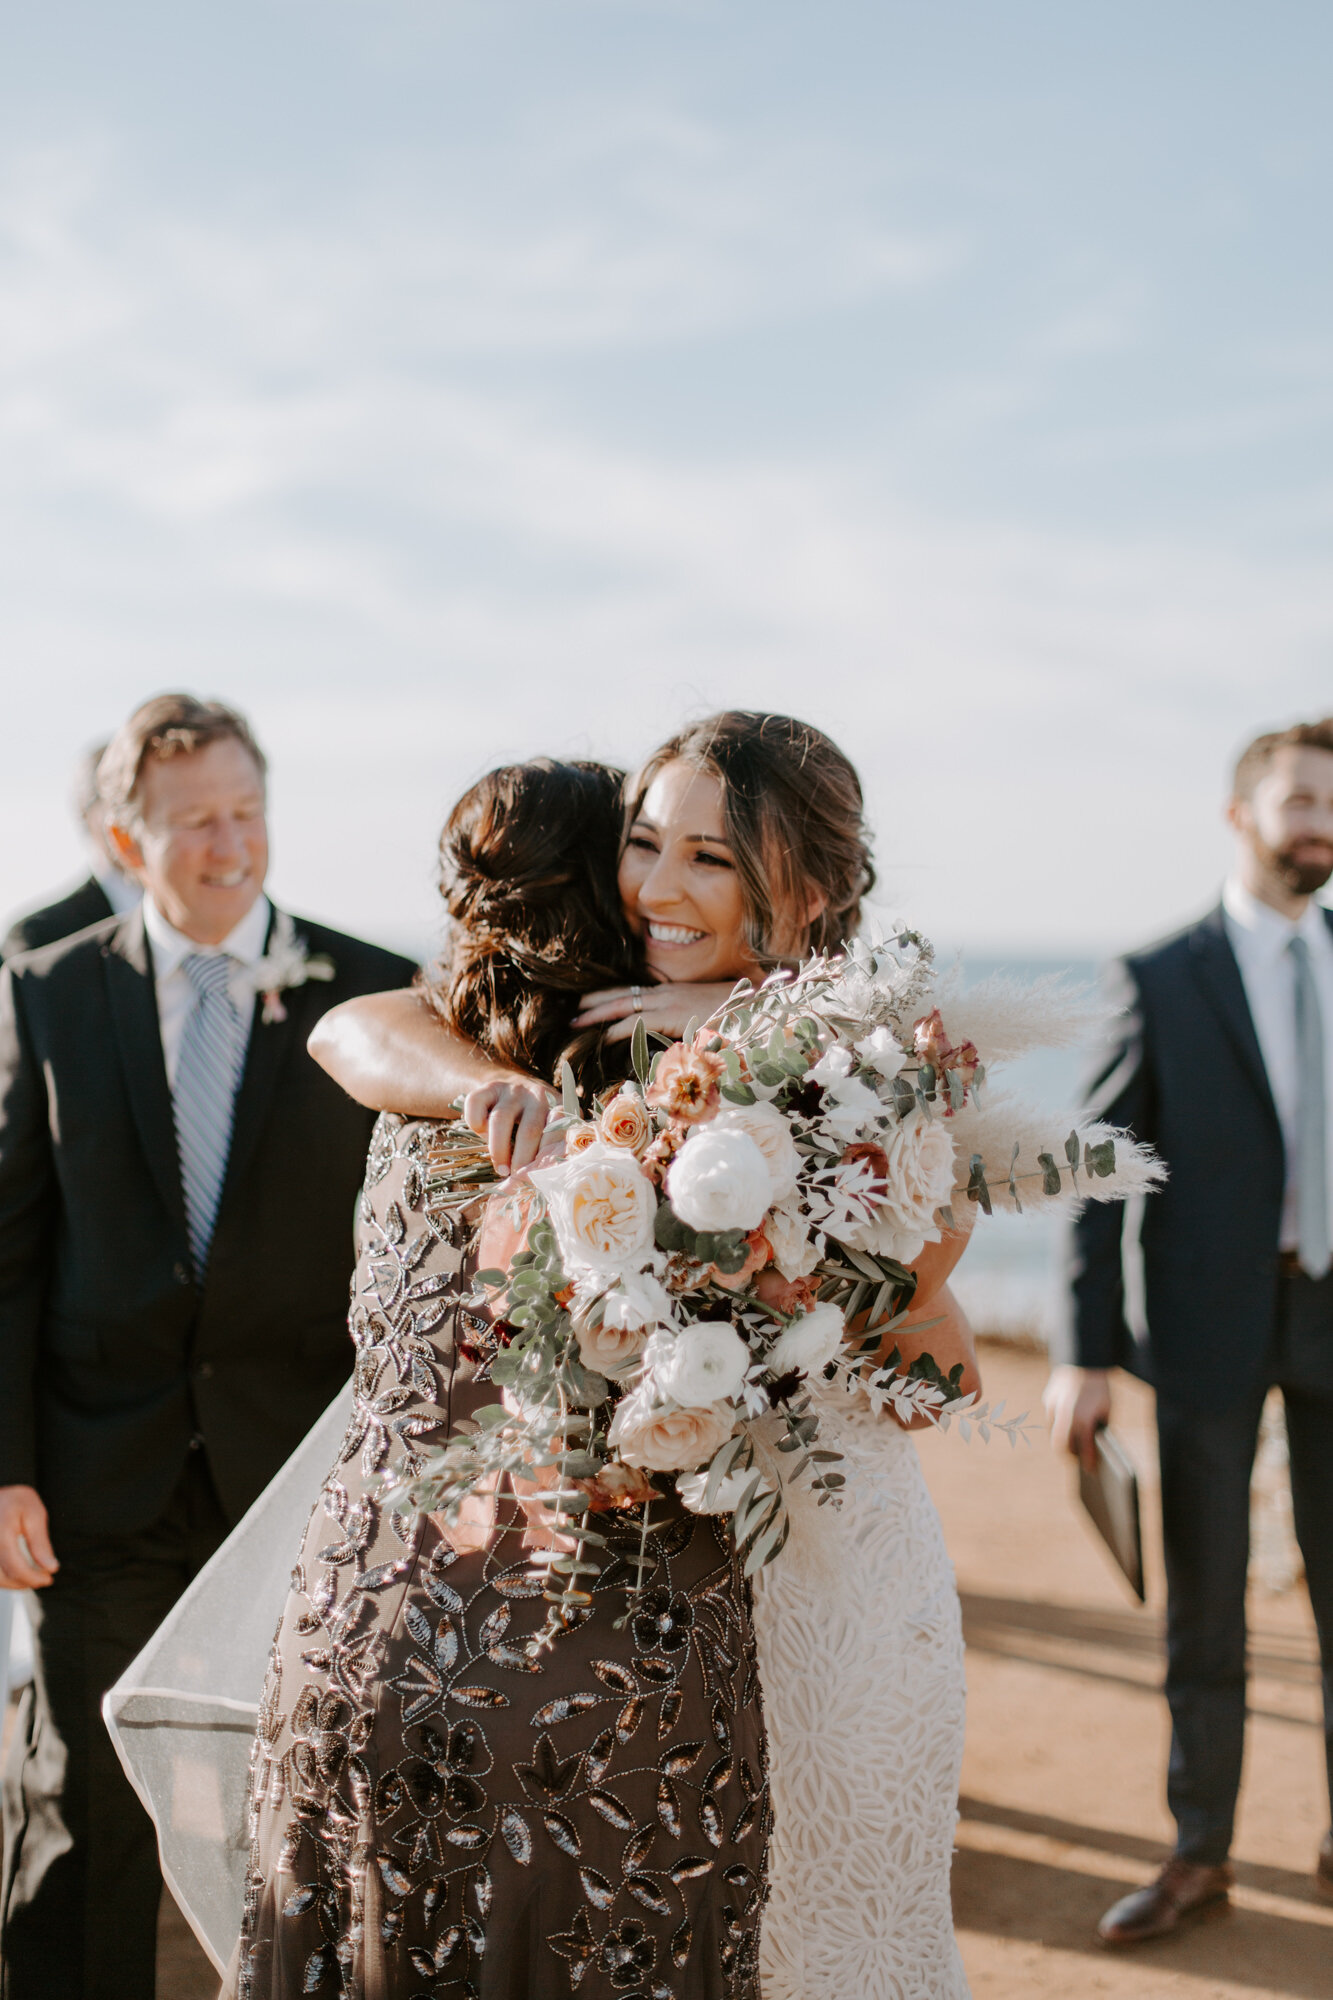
439, 1808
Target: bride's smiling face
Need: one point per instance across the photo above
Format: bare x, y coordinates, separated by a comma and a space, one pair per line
679, 884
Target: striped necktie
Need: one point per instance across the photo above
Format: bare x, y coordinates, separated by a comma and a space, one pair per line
208, 1070
1312, 1120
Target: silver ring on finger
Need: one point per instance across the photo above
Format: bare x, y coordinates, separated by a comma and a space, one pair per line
636, 995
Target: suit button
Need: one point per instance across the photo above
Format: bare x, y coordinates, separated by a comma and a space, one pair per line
205, 1371
181, 1274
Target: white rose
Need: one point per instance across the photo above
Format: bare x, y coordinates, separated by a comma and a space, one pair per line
668, 1440
691, 1487
719, 1180
705, 1363
772, 1134
602, 1206
920, 1179
795, 1242
882, 1051
809, 1341
920, 1156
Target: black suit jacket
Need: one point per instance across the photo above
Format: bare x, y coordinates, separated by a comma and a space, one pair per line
1182, 1069
111, 1356
88, 904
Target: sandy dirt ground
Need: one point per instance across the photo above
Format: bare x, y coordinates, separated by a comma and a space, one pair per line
1062, 1806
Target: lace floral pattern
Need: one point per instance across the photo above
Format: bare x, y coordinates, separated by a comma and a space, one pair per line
437, 1809
860, 1640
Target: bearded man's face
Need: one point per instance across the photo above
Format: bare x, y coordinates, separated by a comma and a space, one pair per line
1287, 822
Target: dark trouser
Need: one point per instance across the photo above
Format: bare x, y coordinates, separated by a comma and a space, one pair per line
81, 1878
1207, 1460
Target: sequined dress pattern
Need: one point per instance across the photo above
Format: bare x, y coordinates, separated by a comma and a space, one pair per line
436, 1811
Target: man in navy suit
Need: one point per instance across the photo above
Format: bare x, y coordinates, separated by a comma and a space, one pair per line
1221, 1057
177, 1181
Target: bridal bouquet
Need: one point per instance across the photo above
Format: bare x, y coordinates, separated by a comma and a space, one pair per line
735, 1222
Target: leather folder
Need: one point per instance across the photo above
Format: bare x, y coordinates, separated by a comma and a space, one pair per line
1111, 1496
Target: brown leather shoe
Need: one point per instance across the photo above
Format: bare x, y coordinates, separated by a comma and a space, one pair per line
1185, 1892
1323, 1869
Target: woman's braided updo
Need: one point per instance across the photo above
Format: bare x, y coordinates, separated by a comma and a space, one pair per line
528, 875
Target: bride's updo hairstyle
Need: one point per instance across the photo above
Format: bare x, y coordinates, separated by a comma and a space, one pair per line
528, 875
794, 816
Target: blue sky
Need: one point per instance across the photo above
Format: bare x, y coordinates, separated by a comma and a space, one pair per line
449, 382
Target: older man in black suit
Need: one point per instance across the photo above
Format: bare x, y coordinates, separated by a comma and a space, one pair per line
106, 892
1222, 1058
177, 1181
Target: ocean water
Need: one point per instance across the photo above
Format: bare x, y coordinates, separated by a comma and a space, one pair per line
1010, 1282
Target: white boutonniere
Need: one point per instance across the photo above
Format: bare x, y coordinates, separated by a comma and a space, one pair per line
286, 963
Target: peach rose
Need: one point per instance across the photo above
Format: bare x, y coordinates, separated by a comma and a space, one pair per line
609, 1349
666, 1439
618, 1486
626, 1121
786, 1295
602, 1207
579, 1137
687, 1082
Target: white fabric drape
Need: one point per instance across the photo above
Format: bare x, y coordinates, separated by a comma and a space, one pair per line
182, 1716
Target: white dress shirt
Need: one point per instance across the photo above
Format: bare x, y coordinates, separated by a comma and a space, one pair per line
1259, 937
244, 945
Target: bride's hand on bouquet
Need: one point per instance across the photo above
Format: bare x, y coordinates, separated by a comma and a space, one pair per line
510, 1114
664, 1010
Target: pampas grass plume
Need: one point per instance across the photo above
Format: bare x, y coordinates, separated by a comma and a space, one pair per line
1000, 1123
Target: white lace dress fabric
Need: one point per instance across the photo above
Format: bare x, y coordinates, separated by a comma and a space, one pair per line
861, 1662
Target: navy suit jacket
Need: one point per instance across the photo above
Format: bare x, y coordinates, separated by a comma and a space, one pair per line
112, 1356
1182, 1069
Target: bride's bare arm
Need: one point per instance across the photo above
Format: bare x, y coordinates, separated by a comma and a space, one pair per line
937, 1324
392, 1052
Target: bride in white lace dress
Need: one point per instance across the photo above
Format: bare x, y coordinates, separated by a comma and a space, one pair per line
745, 844
861, 1661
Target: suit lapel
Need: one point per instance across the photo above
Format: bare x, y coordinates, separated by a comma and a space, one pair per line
133, 1001
1219, 976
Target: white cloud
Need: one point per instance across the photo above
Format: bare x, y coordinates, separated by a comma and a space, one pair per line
302, 462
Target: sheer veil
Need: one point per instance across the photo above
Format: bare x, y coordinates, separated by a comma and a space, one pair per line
182, 1716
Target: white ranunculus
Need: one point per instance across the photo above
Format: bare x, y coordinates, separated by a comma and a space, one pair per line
809, 1341
882, 1051
719, 1180
850, 1107
602, 1206
704, 1363
833, 1065
692, 1485
772, 1135
796, 1247
665, 1439
920, 1179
